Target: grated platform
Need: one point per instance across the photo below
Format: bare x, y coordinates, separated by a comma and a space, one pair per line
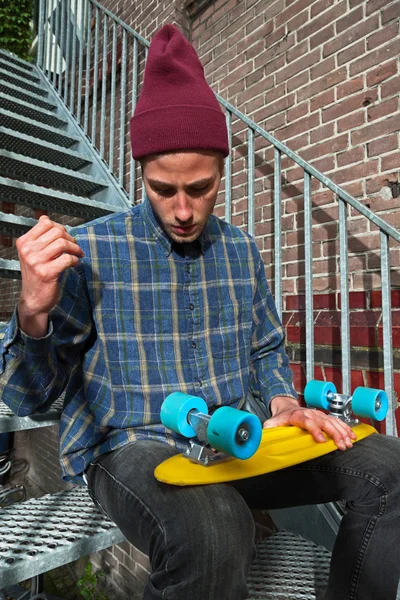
10, 422
36, 129
31, 111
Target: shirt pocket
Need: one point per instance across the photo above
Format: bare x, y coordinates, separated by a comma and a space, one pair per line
226, 329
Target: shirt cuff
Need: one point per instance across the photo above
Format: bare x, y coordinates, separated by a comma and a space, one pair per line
24, 343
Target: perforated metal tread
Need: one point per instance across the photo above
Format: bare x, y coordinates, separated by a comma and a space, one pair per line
35, 171
48, 532
30, 110
27, 96
12, 67
52, 200
21, 81
12, 58
10, 422
9, 269
36, 129
50, 153
15, 225
288, 567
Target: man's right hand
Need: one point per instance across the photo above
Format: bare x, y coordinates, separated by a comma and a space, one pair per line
44, 253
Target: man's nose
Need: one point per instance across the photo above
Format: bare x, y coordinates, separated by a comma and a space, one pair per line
183, 207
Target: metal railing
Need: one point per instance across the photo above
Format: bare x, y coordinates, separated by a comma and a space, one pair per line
95, 63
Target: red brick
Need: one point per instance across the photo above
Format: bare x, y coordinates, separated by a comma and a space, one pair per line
334, 375
382, 36
324, 301
326, 18
323, 67
350, 36
351, 52
297, 66
356, 300
392, 12
381, 73
299, 127
351, 156
374, 5
375, 130
324, 83
291, 11
322, 100
321, 36
296, 82
388, 107
364, 337
356, 172
349, 105
349, 19
391, 162
390, 87
376, 299
349, 87
357, 379
327, 336
297, 302
376, 57
352, 121
295, 334
322, 133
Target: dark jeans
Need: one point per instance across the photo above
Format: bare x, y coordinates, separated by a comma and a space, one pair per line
200, 539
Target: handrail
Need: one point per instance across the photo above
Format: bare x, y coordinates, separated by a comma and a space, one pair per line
54, 60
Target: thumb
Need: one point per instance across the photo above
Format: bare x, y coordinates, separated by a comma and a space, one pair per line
278, 420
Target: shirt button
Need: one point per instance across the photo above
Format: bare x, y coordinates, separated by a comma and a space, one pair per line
193, 344
199, 383
191, 306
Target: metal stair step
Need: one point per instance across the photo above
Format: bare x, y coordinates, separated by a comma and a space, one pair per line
51, 153
12, 58
21, 81
31, 111
16, 92
9, 269
35, 196
14, 226
44, 533
36, 129
38, 172
12, 67
10, 422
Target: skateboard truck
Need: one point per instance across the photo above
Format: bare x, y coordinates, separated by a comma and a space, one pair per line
227, 433
365, 402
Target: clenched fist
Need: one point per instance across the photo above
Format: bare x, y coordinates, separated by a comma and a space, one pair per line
44, 253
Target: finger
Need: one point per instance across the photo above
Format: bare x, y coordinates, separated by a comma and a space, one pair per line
334, 428
53, 269
312, 426
43, 225
56, 248
49, 236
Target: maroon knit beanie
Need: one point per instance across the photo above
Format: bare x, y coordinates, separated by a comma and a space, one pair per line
177, 109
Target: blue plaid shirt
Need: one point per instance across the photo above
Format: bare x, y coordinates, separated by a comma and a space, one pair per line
139, 318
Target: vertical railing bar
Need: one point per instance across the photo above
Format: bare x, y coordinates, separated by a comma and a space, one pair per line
40, 32
80, 62
56, 44
132, 166
87, 77
62, 43
250, 180
73, 62
95, 75
122, 111
391, 428
308, 277
278, 231
103, 86
344, 298
51, 44
146, 52
67, 51
228, 170
45, 35
112, 105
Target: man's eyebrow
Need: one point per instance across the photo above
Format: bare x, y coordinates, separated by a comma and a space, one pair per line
197, 183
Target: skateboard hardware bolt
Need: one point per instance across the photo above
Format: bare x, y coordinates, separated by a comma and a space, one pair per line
243, 434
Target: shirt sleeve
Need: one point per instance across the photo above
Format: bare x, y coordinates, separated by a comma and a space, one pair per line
270, 373
35, 371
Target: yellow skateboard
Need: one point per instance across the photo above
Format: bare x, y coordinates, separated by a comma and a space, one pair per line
231, 445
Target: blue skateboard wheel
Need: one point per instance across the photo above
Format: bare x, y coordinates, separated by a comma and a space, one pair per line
316, 393
175, 410
370, 403
224, 432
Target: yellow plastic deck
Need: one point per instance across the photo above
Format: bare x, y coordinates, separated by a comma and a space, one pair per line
280, 447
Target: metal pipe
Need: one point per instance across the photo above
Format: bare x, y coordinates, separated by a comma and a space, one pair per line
344, 298
80, 62
103, 86
122, 110
391, 428
56, 43
278, 231
250, 181
95, 76
87, 77
67, 52
228, 170
39, 59
132, 165
308, 277
112, 106
73, 63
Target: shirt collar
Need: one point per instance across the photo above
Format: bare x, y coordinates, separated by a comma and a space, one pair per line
163, 239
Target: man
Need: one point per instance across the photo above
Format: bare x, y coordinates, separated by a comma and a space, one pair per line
167, 297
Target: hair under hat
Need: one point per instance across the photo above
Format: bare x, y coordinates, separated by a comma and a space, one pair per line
177, 109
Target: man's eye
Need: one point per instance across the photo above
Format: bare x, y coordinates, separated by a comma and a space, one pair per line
164, 191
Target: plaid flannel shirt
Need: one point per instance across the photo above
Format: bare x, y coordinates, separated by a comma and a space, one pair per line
139, 318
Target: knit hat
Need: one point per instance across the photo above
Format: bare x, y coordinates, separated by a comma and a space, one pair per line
177, 109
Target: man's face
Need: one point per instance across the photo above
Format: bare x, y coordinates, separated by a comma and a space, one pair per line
182, 188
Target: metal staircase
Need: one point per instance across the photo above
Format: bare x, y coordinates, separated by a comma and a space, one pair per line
46, 162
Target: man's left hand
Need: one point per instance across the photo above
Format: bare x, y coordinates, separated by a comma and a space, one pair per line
286, 411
